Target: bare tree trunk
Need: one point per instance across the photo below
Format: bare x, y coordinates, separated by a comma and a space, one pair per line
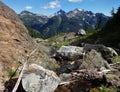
21, 74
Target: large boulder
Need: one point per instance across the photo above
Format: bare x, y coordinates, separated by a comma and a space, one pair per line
81, 32
107, 52
38, 79
70, 52
100, 48
94, 59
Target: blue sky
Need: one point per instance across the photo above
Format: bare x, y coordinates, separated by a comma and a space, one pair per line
49, 7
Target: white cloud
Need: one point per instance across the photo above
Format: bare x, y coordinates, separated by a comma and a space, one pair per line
75, 1
28, 7
52, 5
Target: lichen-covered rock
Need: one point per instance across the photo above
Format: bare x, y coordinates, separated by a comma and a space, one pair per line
94, 59
69, 58
69, 52
38, 79
107, 52
113, 79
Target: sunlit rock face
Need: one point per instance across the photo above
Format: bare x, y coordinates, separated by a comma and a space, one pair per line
15, 43
38, 79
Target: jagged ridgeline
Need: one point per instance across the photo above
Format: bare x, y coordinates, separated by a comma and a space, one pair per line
63, 21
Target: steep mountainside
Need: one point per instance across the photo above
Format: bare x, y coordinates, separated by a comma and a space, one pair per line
15, 43
110, 34
68, 22
17, 47
32, 20
72, 22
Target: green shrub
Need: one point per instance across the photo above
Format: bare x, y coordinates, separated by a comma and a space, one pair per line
94, 90
34, 33
11, 73
109, 34
116, 59
58, 45
105, 88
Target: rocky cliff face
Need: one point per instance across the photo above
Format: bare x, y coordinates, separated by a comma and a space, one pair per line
16, 47
15, 43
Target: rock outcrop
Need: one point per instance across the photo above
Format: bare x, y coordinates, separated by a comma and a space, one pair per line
69, 58
113, 79
80, 81
73, 57
83, 80
15, 43
81, 32
99, 48
38, 79
69, 52
93, 71
94, 59
73, 52
16, 46
107, 52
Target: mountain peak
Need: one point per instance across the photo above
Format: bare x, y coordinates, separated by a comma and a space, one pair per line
74, 12
26, 13
71, 21
77, 9
61, 12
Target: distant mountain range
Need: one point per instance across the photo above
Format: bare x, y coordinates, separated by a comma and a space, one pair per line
62, 21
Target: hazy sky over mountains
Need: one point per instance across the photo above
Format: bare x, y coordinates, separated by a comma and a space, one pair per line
48, 7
